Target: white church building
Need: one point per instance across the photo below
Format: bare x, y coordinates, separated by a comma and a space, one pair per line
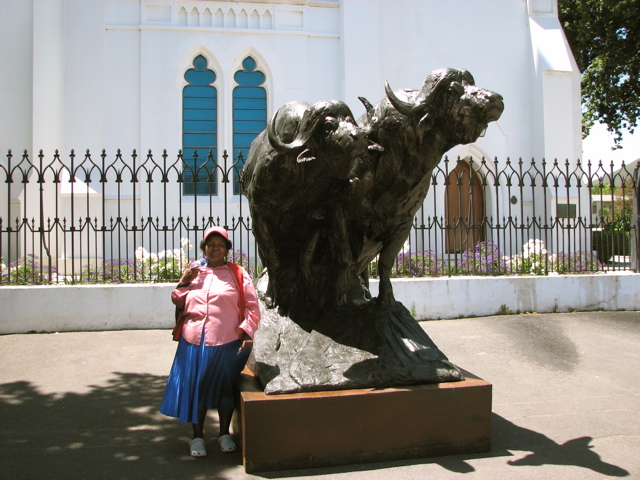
206, 75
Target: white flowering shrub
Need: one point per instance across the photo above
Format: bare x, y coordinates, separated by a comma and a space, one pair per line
534, 259
167, 265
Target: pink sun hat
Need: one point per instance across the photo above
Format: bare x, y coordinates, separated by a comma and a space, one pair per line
218, 230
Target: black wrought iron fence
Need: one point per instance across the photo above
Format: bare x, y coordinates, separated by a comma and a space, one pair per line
128, 218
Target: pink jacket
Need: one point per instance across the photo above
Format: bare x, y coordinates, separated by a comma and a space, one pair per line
211, 305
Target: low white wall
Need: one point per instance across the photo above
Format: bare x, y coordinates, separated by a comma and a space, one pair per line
442, 297
148, 306
85, 307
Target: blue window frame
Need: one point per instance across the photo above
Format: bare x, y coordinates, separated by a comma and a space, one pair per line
199, 130
249, 112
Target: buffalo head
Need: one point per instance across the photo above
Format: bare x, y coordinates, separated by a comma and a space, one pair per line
325, 130
450, 98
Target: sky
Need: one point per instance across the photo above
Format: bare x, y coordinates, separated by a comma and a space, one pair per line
597, 146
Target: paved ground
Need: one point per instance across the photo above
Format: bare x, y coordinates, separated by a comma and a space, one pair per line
566, 405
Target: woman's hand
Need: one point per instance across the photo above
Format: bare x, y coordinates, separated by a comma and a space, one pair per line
188, 275
247, 342
246, 345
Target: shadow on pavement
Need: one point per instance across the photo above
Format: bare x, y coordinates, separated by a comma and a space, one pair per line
115, 431
544, 451
509, 437
112, 432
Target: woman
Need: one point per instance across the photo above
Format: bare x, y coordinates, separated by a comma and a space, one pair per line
215, 342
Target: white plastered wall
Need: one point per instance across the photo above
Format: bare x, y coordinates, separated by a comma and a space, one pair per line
109, 73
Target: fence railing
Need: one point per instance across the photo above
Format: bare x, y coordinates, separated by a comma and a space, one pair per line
126, 218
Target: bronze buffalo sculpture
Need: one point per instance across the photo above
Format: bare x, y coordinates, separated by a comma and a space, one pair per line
297, 176
327, 195
415, 129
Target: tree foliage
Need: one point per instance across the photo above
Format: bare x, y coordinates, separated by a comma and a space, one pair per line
616, 201
604, 36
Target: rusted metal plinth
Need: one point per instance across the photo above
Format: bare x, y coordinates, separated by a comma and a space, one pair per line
304, 430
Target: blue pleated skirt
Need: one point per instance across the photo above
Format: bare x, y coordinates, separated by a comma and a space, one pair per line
202, 378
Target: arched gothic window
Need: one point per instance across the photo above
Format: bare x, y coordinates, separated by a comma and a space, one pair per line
249, 111
199, 130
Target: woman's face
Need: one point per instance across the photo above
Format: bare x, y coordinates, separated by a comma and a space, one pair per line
216, 250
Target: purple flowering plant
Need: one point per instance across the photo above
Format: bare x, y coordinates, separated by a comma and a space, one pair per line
28, 271
579, 262
484, 259
418, 264
241, 258
414, 264
111, 271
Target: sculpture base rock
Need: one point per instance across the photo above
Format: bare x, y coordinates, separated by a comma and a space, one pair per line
363, 346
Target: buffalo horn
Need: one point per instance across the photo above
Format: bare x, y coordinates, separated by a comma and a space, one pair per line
403, 107
303, 134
